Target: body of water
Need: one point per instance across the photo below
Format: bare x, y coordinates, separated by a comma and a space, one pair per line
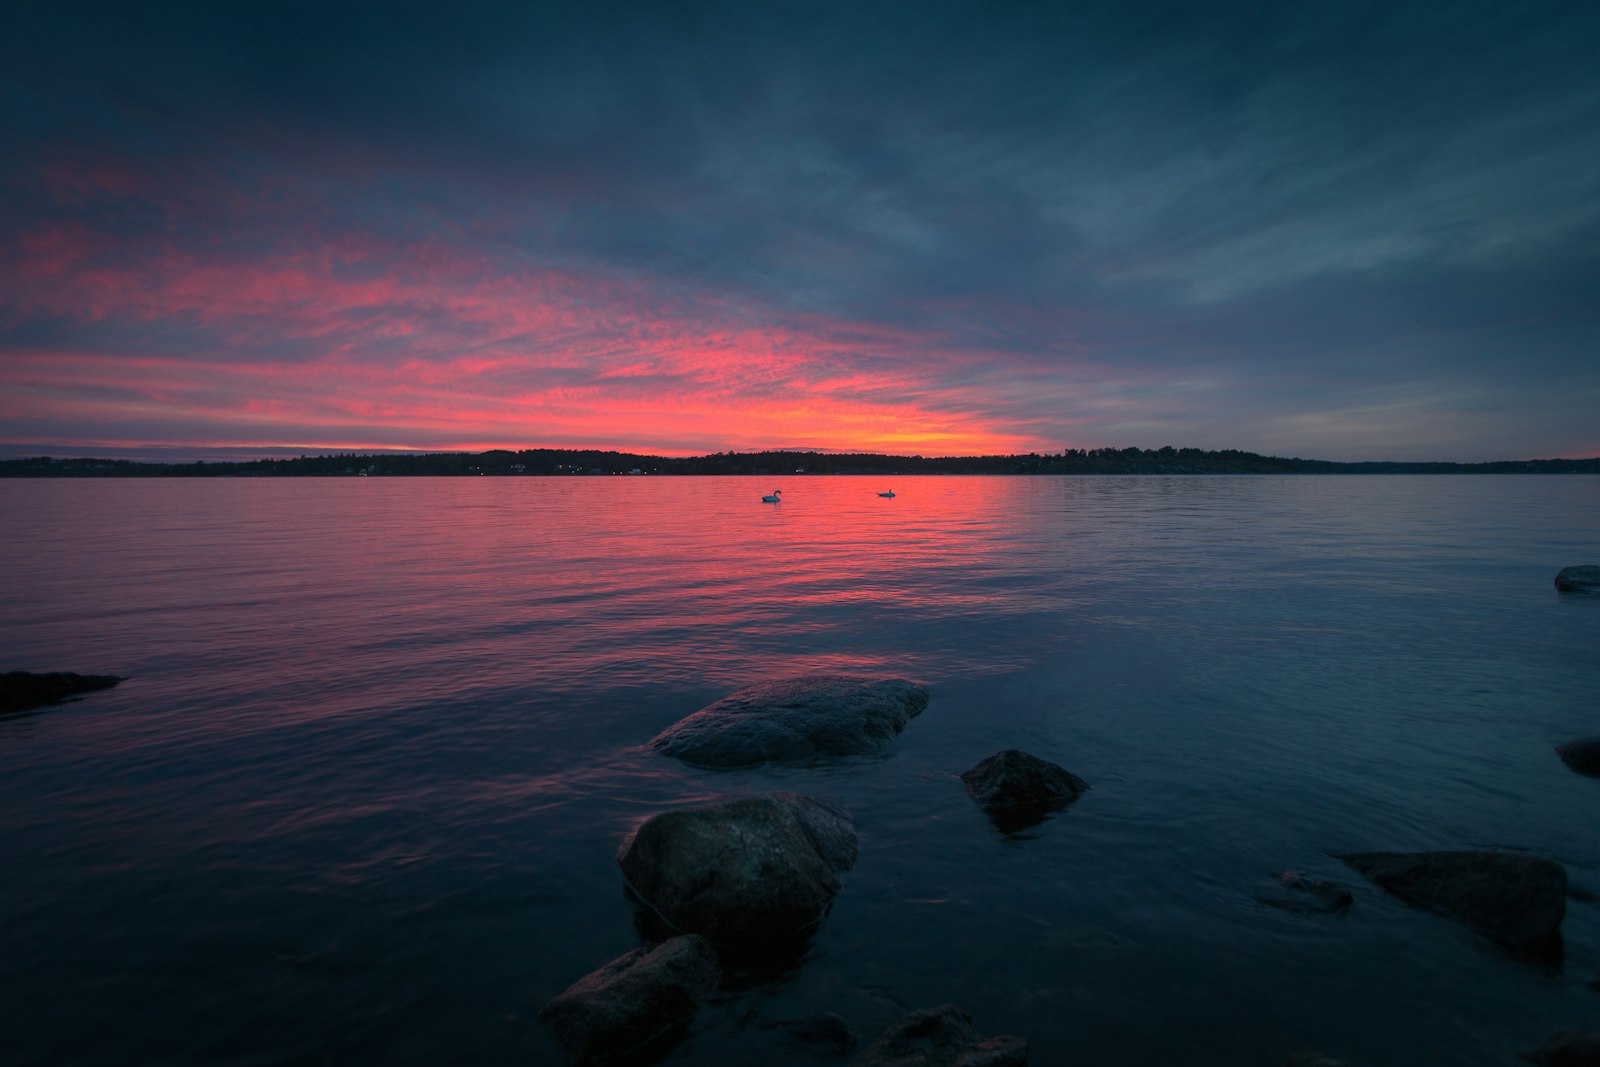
359, 798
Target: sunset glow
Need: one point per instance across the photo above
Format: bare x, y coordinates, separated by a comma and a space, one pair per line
505, 241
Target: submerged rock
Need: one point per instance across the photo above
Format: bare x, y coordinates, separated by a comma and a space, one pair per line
750, 870
1582, 754
1016, 781
1311, 894
634, 1000
1582, 579
795, 720
1567, 1048
1518, 901
941, 1037
23, 690
822, 1035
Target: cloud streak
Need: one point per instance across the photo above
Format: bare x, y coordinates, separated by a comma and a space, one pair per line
1363, 232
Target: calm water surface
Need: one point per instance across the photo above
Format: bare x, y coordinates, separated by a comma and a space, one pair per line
359, 799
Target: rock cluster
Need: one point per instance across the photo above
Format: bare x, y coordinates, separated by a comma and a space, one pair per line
757, 873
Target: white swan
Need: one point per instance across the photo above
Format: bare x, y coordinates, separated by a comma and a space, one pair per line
773, 499
889, 493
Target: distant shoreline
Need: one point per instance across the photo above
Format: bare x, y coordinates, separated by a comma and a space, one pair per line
567, 463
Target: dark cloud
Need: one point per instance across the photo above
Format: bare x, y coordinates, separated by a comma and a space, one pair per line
1192, 222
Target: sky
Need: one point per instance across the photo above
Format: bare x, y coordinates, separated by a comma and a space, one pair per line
1331, 230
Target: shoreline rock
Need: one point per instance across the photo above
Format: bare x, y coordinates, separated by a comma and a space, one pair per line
23, 690
803, 719
1517, 901
636, 999
747, 871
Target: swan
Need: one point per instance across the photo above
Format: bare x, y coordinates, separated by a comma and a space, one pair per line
889, 493
773, 499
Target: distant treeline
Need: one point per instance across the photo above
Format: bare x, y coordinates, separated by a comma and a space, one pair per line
552, 461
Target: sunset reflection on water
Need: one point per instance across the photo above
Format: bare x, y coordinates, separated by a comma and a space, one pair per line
362, 790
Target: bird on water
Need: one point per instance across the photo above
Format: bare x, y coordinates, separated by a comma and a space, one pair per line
773, 499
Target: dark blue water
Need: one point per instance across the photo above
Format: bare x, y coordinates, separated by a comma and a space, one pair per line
360, 797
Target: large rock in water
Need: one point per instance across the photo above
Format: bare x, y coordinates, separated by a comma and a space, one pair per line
1518, 901
795, 720
633, 1000
747, 871
1584, 579
1582, 755
1014, 781
22, 690
941, 1037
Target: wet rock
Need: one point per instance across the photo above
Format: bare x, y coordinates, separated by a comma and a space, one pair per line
1019, 789
1584, 579
823, 1035
1517, 901
1567, 1048
941, 1037
749, 870
1582, 754
1015, 779
806, 719
23, 690
1310, 894
635, 1000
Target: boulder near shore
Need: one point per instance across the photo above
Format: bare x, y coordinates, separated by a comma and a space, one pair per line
633, 1000
1515, 900
1581, 579
24, 690
804, 719
1015, 781
749, 871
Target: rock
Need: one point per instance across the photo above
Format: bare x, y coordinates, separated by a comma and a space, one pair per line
748, 870
1518, 901
1584, 579
823, 1035
633, 1000
1013, 779
22, 690
941, 1037
1312, 894
1582, 754
806, 719
1019, 790
1567, 1048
